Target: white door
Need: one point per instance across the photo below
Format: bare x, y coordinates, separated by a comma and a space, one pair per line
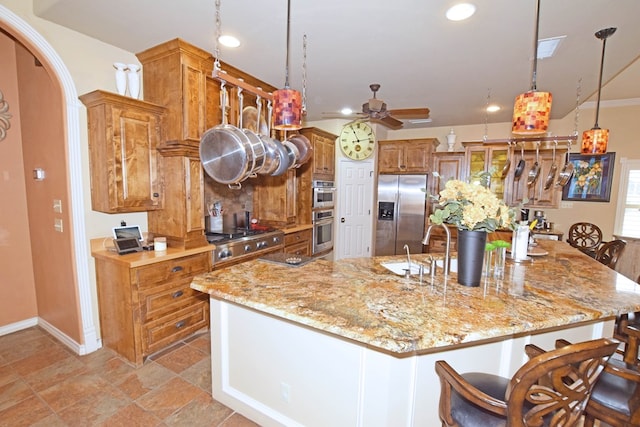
354, 211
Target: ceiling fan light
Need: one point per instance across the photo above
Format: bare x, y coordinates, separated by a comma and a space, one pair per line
287, 109
346, 111
594, 141
531, 113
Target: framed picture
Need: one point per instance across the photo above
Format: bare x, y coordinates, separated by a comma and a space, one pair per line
592, 176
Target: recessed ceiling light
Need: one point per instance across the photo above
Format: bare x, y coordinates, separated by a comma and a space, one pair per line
460, 12
229, 41
547, 47
346, 111
493, 108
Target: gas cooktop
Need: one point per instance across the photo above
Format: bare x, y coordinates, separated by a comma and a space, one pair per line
234, 234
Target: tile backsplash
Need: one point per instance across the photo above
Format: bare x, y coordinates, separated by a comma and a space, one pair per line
232, 201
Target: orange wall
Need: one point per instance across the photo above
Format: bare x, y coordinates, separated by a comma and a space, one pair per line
17, 284
43, 146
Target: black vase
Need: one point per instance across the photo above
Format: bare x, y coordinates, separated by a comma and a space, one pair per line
471, 246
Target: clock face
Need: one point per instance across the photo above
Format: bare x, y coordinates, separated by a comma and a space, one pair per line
357, 141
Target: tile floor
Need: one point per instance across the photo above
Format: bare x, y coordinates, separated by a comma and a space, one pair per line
42, 383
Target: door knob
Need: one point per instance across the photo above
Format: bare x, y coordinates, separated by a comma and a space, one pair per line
342, 219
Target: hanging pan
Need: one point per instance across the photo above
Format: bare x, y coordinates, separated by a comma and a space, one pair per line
534, 172
507, 163
551, 176
567, 170
521, 163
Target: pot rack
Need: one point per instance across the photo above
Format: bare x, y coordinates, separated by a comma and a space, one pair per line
223, 77
539, 139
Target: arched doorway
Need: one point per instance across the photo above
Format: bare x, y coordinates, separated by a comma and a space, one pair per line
21, 31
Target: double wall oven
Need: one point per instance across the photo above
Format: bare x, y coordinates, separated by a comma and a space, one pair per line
324, 193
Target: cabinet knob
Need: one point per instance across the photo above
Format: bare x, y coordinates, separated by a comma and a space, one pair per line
176, 269
156, 194
180, 324
177, 294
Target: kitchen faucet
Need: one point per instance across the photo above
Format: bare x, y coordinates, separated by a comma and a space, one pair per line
406, 248
425, 241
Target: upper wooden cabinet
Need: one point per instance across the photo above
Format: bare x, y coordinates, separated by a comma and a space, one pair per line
535, 194
406, 156
124, 134
480, 157
324, 147
174, 75
446, 165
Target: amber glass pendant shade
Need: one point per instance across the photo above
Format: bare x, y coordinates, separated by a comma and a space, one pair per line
531, 113
287, 109
594, 141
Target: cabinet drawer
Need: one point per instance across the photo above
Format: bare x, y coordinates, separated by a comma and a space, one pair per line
168, 271
166, 330
302, 248
294, 238
168, 299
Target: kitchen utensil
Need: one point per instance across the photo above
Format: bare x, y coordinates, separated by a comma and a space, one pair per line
283, 158
567, 170
292, 153
304, 148
507, 163
521, 163
551, 176
534, 172
225, 151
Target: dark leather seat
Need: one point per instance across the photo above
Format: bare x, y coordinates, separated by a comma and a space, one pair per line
552, 388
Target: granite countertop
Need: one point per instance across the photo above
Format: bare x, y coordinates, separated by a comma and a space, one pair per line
360, 300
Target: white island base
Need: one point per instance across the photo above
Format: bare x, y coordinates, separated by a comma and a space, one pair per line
278, 372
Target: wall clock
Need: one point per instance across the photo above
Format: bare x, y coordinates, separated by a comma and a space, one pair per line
357, 140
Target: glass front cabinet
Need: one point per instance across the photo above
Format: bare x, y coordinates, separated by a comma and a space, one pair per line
480, 157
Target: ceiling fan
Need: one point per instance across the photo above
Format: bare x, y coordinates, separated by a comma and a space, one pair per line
376, 111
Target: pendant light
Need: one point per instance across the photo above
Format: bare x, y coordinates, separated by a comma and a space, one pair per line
287, 110
595, 140
532, 109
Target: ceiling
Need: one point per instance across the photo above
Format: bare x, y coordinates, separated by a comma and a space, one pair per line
419, 57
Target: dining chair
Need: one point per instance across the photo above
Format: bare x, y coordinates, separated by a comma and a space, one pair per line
551, 389
585, 236
609, 252
615, 398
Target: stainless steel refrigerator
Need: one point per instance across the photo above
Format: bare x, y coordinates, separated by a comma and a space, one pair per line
401, 210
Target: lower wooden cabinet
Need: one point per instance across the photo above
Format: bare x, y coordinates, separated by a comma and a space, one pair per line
299, 243
145, 309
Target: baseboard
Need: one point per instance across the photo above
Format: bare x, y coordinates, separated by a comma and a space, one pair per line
18, 326
76, 347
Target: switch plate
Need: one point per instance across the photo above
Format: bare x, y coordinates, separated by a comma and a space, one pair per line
57, 225
57, 205
285, 392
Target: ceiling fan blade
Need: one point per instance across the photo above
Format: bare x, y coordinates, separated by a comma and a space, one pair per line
388, 121
338, 115
411, 113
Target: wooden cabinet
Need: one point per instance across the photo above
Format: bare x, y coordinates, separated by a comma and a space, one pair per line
446, 166
406, 156
536, 195
174, 75
182, 219
145, 309
124, 134
480, 157
299, 243
275, 199
324, 147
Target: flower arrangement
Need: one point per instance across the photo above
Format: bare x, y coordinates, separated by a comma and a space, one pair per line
472, 206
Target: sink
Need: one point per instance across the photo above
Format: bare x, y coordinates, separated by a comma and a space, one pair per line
400, 268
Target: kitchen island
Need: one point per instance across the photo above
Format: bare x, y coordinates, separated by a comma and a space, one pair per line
349, 343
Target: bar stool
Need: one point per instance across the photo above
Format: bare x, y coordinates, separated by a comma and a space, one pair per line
552, 388
609, 252
615, 398
585, 236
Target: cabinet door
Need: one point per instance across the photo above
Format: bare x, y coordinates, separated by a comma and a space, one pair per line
274, 199
447, 166
535, 194
485, 158
124, 134
416, 157
390, 158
